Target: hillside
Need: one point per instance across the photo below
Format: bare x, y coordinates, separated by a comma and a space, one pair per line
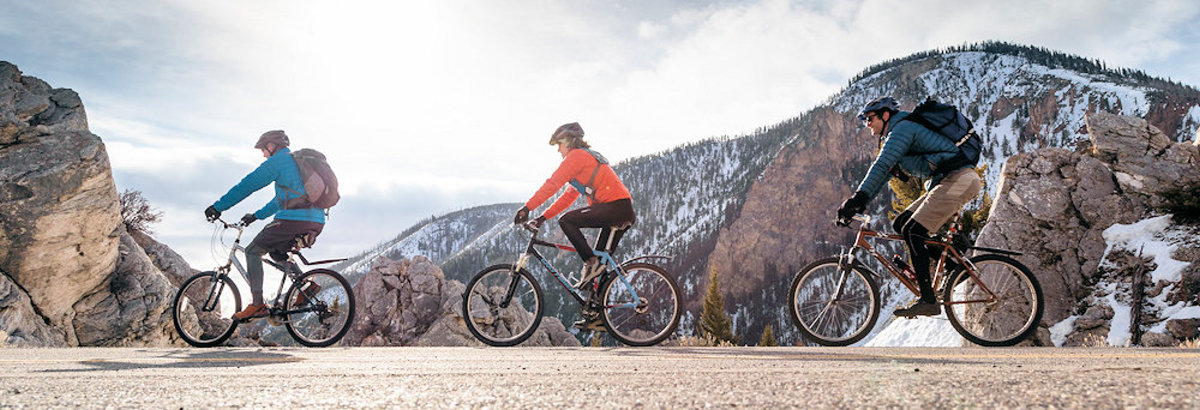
756, 208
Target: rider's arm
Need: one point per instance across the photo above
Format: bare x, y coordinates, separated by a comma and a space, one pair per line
569, 167
562, 203
894, 147
256, 180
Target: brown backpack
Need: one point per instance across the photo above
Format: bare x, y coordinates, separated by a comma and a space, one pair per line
320, 184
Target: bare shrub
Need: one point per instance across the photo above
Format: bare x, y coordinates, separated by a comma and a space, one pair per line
137, 213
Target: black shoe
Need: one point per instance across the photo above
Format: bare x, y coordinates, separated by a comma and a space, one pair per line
920, 308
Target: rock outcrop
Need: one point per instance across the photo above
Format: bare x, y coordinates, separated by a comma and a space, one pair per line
409, 303
73, 275
1054, 205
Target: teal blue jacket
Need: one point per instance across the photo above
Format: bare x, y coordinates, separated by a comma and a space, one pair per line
281, 169
916, 149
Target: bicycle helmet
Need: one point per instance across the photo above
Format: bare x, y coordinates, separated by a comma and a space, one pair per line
276, 137
879, 104
566, 131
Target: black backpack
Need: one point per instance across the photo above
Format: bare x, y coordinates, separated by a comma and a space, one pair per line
947, 121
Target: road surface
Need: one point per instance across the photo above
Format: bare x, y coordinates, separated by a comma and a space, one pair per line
661, 377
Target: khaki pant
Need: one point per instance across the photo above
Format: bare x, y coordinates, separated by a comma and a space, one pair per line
935, 208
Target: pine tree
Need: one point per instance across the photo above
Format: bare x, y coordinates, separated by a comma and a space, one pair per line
714, 322
768, 337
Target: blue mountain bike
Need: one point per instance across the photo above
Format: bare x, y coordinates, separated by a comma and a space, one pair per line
638, 303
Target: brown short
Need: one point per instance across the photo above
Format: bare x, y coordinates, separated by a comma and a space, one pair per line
933, 209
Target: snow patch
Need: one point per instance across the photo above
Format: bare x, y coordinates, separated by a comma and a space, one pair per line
1060, 330
921, 332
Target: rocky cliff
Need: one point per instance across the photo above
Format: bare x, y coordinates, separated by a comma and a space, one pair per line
72, 274
1060, 207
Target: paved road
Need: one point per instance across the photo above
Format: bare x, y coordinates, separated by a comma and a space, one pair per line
579, 377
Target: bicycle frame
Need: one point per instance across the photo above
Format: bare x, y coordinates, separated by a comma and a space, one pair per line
939, 277
580, 298
235, 263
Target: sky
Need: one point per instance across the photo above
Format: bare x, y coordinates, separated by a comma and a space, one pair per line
427, 107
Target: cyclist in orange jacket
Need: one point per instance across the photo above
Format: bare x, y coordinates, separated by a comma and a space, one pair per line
609, 203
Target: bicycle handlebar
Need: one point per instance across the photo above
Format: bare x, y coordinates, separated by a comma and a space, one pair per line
844, 222
227, 225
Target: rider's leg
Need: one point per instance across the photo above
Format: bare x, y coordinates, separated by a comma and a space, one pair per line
596, 216
277, 237
931, 211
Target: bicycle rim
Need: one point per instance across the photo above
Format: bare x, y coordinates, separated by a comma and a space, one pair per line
502, 307
1003, 320
650, 318
321, 306
827, 317
203, 309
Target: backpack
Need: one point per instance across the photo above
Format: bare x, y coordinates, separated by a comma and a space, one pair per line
320, 184
587, 189
947, 121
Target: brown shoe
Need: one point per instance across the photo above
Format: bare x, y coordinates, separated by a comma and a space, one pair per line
309, 288
252, 312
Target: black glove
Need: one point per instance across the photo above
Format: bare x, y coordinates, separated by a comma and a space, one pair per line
522, 215
211, 213
537, 223
853, 206
248, 219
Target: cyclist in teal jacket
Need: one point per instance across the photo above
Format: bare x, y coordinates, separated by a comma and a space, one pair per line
919, 152
292, 218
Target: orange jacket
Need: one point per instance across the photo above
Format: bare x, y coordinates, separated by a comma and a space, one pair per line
578, 165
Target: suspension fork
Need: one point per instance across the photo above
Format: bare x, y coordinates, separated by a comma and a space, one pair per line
214, 289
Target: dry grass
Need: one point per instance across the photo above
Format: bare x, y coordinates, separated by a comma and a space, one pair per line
1190, 344
696, 341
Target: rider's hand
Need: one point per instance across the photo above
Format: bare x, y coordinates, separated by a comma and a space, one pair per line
537, 223
853, 205
248, 219
841, 222
522, 215
211, 213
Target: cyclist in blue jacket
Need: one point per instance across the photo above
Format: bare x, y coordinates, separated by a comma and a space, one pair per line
922, 153
292, 218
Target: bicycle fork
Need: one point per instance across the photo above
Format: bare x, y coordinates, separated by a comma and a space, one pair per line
218, 286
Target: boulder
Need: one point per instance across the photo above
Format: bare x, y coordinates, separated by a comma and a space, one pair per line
410, 303
20, 324
73, 275
59, 219
1054, 204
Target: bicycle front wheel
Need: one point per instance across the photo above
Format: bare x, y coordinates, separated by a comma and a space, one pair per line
319, 308
203, 309
648, 318
834, 306
502, 307
1000, 305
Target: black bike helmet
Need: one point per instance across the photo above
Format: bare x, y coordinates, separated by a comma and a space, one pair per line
276, 137
879, 104
566, 131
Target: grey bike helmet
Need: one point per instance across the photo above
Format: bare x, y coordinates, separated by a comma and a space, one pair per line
276, 137
879, 104
566, 131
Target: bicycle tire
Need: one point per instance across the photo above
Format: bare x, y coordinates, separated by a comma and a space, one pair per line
659, 307
197, 327
326, 313
1008, 320
494, 321
850, 319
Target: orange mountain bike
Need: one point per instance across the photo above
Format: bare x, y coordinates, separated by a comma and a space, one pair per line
990, 298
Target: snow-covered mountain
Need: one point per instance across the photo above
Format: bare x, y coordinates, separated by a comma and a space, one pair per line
756, 208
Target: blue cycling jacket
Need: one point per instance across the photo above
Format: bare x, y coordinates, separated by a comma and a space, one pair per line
915, 148
282, 170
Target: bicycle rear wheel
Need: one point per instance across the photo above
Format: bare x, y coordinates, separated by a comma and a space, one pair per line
1006, 318
834, 306
652, 316
203, 309
320, 308
502, 307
